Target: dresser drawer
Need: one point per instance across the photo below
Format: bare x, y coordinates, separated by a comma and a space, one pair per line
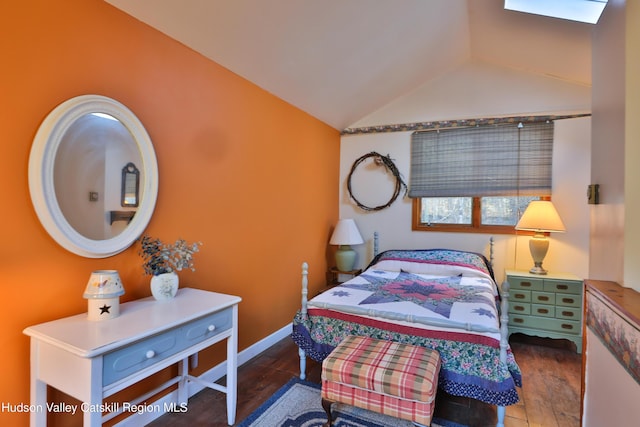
569, 300
149, 351
520, 296
569, 313
548, 324
563, 286
543, 297
526, 283
543, 310
520, 308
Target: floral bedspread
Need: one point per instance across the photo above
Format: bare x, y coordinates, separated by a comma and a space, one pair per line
453, 311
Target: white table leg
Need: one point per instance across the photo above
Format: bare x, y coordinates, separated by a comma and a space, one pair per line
183, 384
232, 369
38, 390
38, 416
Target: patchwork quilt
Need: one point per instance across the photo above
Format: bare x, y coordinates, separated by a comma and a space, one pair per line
440, 299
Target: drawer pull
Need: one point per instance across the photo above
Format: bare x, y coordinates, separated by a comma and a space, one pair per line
565, 326
211, 328
150, 354
567, 313
518, 308
543, 310
568, 300
543, 298
562, 287
519, 296
517, 320
525, 284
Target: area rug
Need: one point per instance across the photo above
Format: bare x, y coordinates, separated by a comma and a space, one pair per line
297, 404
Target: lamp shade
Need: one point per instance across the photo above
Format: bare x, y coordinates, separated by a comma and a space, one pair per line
346, 233
540, 216
104, 284
103, 295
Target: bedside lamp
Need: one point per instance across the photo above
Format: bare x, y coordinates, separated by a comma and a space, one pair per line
103, 294
345, 235
540, 217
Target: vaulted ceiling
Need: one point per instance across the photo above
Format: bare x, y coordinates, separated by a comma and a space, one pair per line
340, 60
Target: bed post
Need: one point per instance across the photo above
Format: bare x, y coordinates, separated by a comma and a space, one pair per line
375, 244
491, 252
305, 291
504, 338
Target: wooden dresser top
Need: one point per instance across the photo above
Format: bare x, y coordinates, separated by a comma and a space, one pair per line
626, 300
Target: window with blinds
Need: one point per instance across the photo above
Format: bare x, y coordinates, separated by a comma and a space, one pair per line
479, 178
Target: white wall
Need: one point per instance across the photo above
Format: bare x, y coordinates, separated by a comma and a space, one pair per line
608, 129
498, 92
611, 394
632, 146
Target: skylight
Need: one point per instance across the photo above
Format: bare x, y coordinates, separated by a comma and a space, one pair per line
588, 11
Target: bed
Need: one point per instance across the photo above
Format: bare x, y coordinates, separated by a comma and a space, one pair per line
442, 299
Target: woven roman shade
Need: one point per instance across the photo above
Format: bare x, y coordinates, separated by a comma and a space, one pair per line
504, 160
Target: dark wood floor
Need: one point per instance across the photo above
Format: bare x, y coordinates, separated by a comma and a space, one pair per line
550, 396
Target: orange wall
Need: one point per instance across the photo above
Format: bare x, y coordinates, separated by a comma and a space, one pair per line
253, 178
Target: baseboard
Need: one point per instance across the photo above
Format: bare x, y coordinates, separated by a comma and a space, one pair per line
159, 407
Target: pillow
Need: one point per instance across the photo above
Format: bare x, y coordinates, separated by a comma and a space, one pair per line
432, 261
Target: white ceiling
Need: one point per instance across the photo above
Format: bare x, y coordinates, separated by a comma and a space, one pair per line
341, 60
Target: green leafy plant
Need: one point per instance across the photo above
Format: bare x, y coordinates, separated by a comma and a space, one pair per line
162, 257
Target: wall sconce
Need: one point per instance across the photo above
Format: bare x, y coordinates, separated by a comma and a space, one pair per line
346, 234
540, 217
103, 294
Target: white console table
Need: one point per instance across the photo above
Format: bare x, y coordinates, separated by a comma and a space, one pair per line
91, 360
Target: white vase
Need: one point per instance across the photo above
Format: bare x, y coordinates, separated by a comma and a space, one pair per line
164, 286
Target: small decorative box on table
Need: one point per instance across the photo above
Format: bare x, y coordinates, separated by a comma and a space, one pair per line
399, 380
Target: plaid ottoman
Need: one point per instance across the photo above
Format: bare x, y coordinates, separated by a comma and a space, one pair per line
394, 379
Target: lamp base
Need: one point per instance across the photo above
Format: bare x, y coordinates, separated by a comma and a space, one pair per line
345, 258
537, 269
538, 246
103, 308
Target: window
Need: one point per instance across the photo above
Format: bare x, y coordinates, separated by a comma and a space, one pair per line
469, 214
479, 179
588, 11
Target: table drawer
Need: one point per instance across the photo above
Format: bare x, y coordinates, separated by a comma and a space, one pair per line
565, 287
126, 361
543, 310
549, 324
207, 327
526, 283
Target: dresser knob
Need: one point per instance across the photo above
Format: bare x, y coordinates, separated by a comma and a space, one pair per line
211, 328
150, 354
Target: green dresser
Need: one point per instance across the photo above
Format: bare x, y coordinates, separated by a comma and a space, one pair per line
546, 306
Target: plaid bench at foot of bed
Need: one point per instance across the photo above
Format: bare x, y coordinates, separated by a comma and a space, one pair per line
394, 379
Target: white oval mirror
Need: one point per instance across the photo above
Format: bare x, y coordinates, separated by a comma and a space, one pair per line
76, 171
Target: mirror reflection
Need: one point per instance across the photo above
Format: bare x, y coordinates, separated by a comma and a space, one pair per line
87, 175
130, 185
93, 176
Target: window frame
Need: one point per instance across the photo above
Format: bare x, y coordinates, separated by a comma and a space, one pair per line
474, 227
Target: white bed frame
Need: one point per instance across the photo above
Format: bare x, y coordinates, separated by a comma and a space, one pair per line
504, 318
